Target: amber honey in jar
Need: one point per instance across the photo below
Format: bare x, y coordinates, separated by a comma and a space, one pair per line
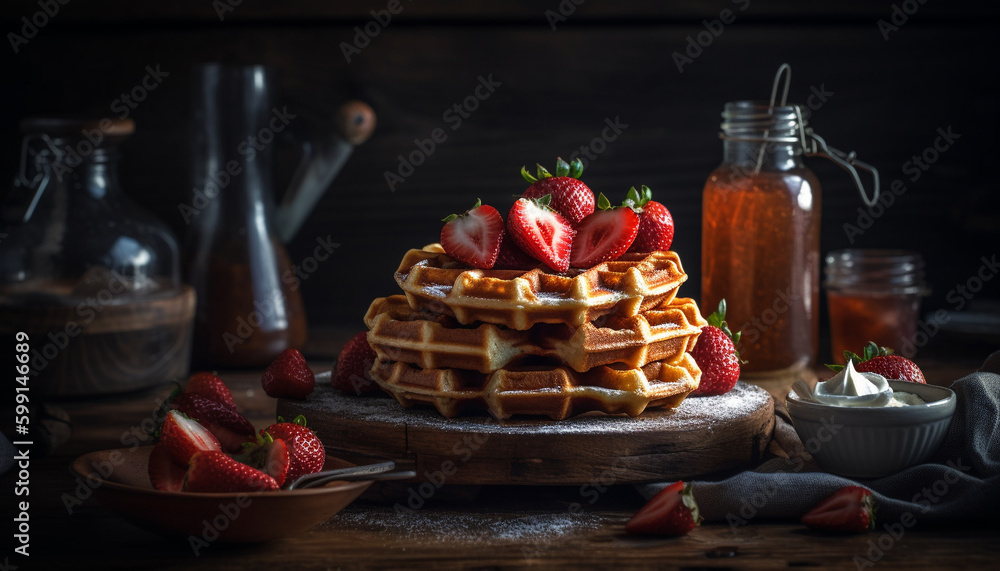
760, 238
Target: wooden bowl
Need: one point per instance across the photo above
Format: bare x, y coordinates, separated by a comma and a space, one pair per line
120, 482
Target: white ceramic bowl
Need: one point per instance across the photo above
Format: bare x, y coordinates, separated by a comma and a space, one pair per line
862, 442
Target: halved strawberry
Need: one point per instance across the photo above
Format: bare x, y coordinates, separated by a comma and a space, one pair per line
230, 427
570, 197
269, 455
850, 509
474, 237
288, 376
541, 232
672, 511
182, 436
165, 474
210, 387
883, 361
353, 365
604, 235
656, 225
214, 471
306, 452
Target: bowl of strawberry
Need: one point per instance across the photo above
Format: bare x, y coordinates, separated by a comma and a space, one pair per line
211, 476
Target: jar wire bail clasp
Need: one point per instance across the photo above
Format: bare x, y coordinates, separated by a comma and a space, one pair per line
41, 169
815, 146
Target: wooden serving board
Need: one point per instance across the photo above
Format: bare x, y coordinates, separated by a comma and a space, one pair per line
703, 436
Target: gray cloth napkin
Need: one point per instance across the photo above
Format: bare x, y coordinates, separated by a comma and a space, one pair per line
959, 483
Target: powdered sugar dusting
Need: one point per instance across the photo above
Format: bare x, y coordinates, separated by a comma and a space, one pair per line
462, 527
693, 413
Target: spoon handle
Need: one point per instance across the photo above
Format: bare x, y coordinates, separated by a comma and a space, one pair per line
306, 481
319, 482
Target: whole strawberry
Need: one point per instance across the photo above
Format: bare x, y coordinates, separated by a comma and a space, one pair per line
570, 197
306, 453
672, 511
353, 365
288, 376
656, 225
541, 232
604, 235
210, 387
716, 355
882, 361
473, 237
214, 471
850, 509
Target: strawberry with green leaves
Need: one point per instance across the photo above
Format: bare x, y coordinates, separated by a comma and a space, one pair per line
570, 196
474, 237
305, 450
716, 355
850, 509
672, 511
541, 232
882, 361
269, 455
604, 235
656, 225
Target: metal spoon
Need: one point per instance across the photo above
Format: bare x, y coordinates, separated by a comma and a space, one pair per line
320, 478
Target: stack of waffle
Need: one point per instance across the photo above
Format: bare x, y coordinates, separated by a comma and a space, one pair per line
612, 338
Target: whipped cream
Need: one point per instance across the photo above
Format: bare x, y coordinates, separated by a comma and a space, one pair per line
851, 388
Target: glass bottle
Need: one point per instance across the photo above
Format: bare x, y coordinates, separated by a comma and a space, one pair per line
760, 239
760, 232
91, 278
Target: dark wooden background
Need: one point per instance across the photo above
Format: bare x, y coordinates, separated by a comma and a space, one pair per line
606, 60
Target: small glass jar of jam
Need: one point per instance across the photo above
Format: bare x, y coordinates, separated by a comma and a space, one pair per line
873, 295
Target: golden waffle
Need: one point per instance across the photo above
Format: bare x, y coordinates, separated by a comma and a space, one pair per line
398, 332
518, 299
556, 392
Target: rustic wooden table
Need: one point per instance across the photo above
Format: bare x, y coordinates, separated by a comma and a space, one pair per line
492, 527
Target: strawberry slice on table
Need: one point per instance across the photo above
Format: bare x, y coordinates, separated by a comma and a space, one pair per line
570, 196
165, 474
354, 364
656, 225
850, 509
214, 471
541, 232
182, 436
882, 361
672, 511
230, 427
604, 235
716, 355
473, 237
210, 387
288, 376
305, 450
